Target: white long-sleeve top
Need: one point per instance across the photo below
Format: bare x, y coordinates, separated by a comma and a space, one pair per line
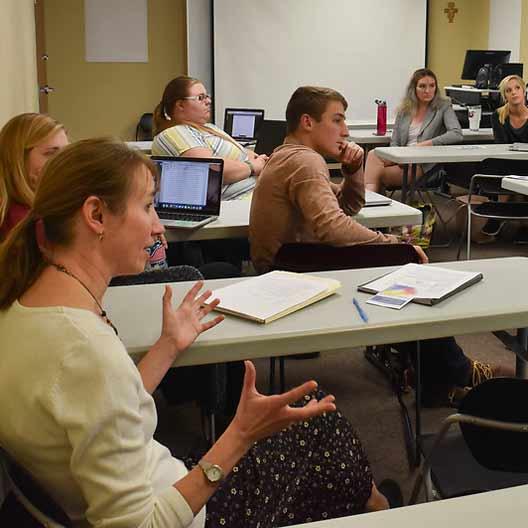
74, 412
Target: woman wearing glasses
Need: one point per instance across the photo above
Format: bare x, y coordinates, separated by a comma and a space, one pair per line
181, 122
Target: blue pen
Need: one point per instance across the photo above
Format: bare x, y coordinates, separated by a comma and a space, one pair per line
360, 311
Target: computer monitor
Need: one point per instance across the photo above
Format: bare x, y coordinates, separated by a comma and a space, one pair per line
271, 134
503, 70
475, 59
243, 124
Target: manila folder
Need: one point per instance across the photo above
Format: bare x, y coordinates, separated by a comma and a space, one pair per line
273, 295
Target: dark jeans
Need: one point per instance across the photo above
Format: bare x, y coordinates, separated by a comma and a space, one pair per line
443, 364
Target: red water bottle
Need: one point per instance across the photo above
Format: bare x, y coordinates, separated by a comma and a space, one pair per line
381, 122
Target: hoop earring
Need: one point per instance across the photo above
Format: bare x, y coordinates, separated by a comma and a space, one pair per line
166, 116
101, 236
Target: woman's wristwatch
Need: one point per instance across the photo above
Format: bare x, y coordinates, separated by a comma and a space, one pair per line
251, 168
213, 473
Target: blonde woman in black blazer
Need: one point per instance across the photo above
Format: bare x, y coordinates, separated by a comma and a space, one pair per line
424, 119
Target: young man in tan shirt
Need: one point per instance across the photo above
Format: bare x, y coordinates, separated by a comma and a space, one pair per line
294, 200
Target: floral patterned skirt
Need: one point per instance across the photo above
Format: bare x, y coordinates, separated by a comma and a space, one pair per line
314, 470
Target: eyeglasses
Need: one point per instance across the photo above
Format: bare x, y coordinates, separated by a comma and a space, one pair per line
201, 97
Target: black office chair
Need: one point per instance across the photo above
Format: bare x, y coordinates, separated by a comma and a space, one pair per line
488, 184
28, 505
170, 274
487, 450
308, 258
144, 128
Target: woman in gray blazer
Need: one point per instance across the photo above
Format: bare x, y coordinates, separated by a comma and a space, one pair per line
424, 118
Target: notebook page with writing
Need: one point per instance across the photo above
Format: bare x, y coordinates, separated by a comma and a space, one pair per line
273, 295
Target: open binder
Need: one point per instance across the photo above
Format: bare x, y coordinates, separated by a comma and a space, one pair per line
273, 295
431, 283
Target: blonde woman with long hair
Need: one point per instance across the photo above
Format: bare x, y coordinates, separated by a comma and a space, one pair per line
424, 119
27, 141
510, 121
182, 127
510, 125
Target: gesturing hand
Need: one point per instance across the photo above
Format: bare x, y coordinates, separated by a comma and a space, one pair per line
259, 416
183, 325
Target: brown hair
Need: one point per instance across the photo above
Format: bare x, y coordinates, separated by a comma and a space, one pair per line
504, 110
18, 136
410, 101
177, 89
311, 100
94, 167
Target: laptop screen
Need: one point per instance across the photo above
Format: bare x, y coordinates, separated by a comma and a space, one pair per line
243, 124
189, 185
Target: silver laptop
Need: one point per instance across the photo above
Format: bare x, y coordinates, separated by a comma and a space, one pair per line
189, 191
373, 199
243, 124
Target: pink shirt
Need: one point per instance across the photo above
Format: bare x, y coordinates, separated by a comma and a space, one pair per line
15, 214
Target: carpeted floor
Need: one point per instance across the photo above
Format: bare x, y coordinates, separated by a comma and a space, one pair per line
362, 393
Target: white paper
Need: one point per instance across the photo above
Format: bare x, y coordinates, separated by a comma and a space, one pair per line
116, 30
267, 295
430, 282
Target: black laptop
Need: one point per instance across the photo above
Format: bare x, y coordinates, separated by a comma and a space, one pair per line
270, 136
243, 124
189, 191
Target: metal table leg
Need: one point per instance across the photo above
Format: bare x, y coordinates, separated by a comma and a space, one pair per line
405, 183
418, 406
521, 366
272, 376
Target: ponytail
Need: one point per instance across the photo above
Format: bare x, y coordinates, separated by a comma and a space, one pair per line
21, 260
161, 119
503, 113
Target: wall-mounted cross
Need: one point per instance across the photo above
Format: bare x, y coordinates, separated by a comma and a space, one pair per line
450, 11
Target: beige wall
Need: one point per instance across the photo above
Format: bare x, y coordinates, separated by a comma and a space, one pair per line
449, 42
524, 37
18, 89
108, 98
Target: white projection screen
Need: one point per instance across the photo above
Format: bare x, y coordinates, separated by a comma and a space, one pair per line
366, 49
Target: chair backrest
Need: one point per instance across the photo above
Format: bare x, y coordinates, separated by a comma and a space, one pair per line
171, 274
33, 492
144, 127
498, 168
504, 167
301, 257
502, 399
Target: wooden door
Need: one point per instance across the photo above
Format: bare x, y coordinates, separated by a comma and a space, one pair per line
42, 57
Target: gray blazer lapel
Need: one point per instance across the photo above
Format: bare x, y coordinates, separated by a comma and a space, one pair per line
404, 129
429, 116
